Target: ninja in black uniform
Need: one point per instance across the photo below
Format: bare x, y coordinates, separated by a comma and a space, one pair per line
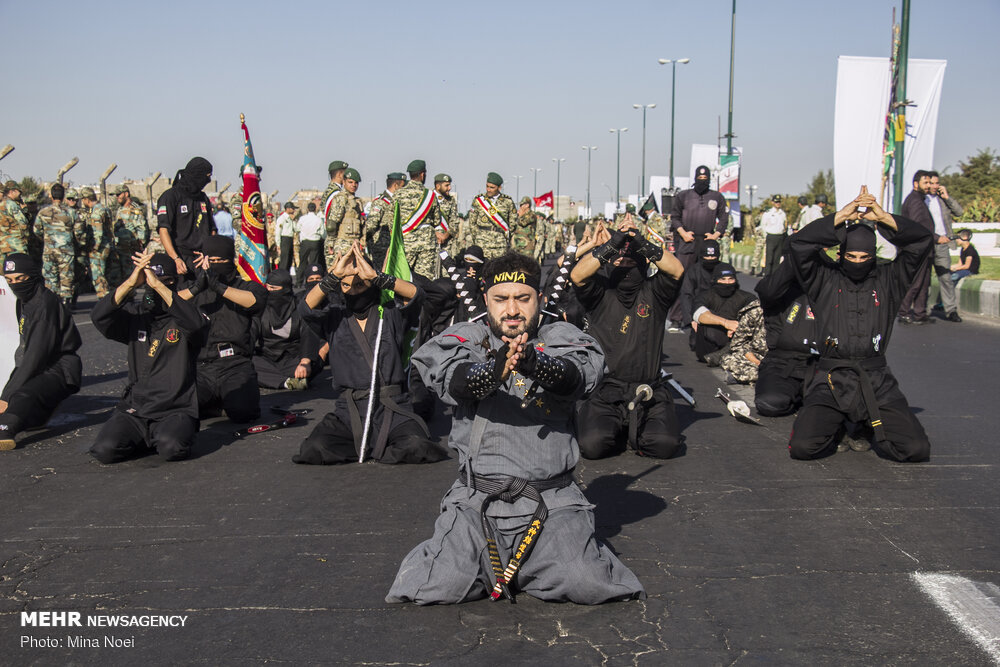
159, 409
627, 311
286, 354
856, 303
47, 368
184, 215
225, 372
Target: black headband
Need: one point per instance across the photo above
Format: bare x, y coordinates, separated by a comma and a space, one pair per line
530, 279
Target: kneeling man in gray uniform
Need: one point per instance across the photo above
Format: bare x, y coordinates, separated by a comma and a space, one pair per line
514, 520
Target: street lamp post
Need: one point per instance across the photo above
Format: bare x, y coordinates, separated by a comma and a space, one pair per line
518, 190
673, 106
589, 150
535, 171
555, 207
642, 179
618, 167
751, 190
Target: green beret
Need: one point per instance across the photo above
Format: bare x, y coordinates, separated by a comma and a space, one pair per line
87, 193
525, 200
120, 189
630, 208
442, 178
416, 167
352, 174
72, 194
396, 176
494, 178
337, 165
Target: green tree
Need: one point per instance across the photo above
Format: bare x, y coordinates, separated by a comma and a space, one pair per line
30, 186
822, 183
976, 185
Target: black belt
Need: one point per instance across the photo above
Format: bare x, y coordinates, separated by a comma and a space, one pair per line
510, 490
386, 397
860, 368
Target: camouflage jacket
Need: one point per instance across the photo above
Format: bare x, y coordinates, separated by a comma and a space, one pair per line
130, 228
482, 231
750, 336
60, 228
15, 230
344, 220
409, 197
378, 221
449, 211
98, 227
523, 233
331, 189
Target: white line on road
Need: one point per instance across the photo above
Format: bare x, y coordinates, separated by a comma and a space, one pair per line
973, 606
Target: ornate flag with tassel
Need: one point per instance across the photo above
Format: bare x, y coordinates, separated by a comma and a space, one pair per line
251, 242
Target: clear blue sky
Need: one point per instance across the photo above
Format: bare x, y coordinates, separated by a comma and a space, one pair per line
469, 87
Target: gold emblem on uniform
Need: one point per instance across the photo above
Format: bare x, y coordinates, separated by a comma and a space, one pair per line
154, 347
625, 324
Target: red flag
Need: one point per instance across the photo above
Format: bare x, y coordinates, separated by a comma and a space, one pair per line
545, 201
251, 242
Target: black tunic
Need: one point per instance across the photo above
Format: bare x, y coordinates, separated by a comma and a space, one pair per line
230, 323
162, 350
698, 214
788, 318
188, 219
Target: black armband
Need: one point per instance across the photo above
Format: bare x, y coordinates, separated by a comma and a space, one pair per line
477, 381
555, 374
384, 280
653, 253
610, 250
329, 284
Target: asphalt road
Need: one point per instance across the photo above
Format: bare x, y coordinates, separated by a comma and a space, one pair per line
747, 556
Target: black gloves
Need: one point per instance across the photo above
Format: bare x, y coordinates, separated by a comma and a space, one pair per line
610, 250
554, 374
329, 284
477, 381
384, 280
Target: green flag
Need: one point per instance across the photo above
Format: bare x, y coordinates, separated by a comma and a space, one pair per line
395, 265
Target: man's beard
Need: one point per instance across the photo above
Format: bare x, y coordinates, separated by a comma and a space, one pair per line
500, 330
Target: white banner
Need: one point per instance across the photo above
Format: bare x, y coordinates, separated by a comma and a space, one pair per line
8, 331
863, 91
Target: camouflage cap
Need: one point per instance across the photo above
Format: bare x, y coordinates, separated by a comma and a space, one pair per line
525, 200
352, 174
121, 189
442, 178
416, 166
11, 185
337, 165
494, 178
72, 193
87, 193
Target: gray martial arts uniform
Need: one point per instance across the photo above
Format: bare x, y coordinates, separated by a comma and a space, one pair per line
496, 438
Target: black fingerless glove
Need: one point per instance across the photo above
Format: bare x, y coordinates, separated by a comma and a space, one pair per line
653, 253
553, 374
384, 281
213, 283
477, 381
610, 250
200, 283
329, 284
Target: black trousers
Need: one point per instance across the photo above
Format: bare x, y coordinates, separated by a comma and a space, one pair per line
32, 405
603, 427
332, 442
310, 253
780, 382
772, 249
232, 384
707, 339
126, 436
676, 312
286, 252
818, 428
915, 300
272, 374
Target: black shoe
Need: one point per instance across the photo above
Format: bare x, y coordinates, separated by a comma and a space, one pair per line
953, 317
713, 359
905, 319
938, 306
923, 320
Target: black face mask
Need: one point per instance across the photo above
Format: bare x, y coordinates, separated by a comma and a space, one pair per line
701, 186
709, 264
151, 301
857, 271
725, 290
359, 304
224, 271
627, 281
26, 289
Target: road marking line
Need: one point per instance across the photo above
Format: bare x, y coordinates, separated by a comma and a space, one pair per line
973, 606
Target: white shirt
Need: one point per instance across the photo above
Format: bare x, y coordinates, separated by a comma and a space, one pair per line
311, 228
809, 214
286, 225
773, 221
934, 206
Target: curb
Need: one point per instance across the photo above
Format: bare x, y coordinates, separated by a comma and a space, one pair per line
975, 296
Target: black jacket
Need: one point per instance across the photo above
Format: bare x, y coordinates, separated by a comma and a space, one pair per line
48, 343
188, 219
788, 318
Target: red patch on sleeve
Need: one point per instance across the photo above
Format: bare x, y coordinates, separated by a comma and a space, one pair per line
460, 339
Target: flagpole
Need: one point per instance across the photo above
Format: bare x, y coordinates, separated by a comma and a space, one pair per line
371, 390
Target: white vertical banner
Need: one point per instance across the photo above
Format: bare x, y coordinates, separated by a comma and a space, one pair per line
8, 331
863, 92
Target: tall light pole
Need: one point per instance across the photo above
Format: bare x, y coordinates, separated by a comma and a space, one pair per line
589, 150
555, 208
618, 167
518, 186
732, 61
535, 172
673, 106
642, 179
751, 190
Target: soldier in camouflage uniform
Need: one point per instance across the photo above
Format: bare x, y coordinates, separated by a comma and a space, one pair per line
449, 212
421, 242
131, 233
15, 230
336, 170
726, 242
34, 235
61, 233
759, 244
343, 222
747, 346
97, 224
81, 281
524, 231
378, 220
484, 231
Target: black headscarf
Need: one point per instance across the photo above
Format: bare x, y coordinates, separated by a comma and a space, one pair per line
627, 278
194, 176
280, 303
722, 270
18, 262
861, 238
